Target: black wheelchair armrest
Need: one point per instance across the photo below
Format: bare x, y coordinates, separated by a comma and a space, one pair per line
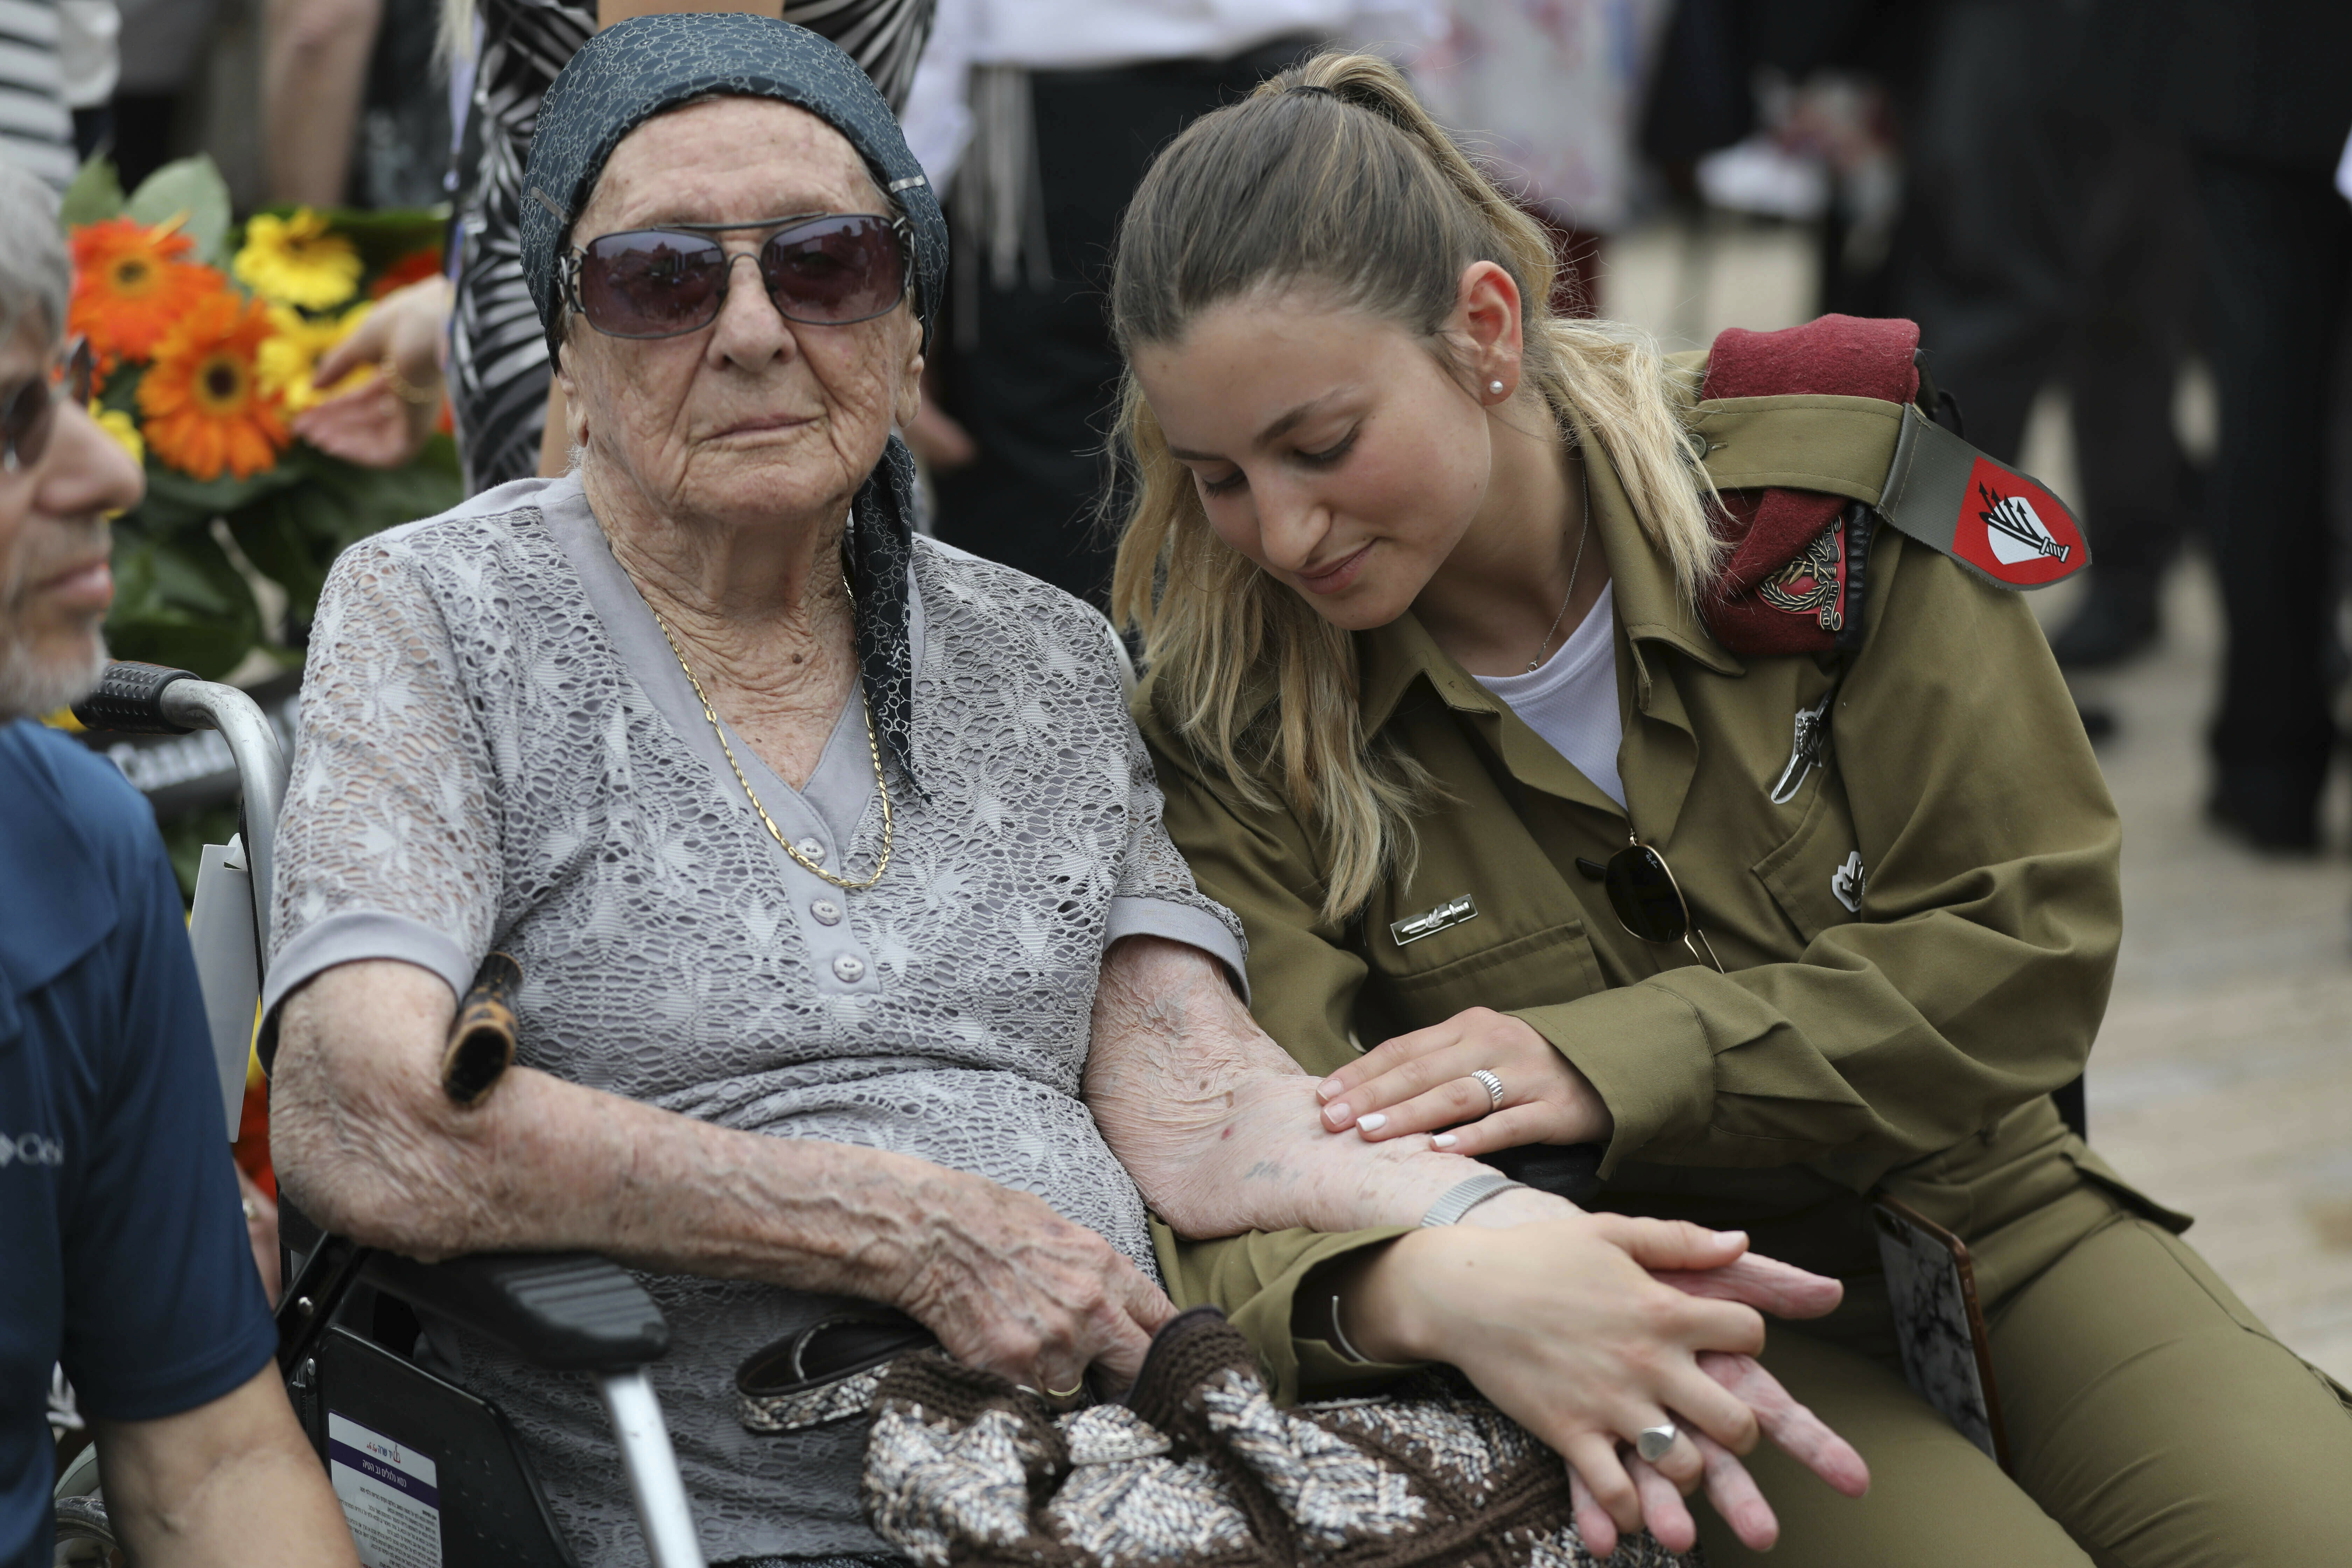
565, 1312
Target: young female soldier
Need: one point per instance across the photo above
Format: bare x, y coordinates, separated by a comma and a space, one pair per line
1447, 661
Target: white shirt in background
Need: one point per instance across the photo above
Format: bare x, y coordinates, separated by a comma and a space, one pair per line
1087, 34
1571, 702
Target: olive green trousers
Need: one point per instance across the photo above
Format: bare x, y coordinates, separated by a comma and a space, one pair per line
2153, 1423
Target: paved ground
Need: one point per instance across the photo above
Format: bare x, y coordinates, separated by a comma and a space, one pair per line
2223, 1081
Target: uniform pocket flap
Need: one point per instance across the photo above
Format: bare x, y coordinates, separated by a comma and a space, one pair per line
1555, 964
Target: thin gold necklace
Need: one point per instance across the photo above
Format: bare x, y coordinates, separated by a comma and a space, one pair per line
872, 750
1573, 568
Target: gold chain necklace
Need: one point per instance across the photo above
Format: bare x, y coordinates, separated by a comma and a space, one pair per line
872, 750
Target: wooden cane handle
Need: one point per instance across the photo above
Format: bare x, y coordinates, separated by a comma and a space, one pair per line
482, 1040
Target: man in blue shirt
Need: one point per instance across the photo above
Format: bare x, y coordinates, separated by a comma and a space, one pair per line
123, 1245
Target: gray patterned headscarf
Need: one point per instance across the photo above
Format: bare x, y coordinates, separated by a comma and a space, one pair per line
624, 76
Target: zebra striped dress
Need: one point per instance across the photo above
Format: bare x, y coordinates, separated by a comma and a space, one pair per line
497, 359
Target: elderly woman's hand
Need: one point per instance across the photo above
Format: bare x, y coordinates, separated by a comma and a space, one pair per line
1010, 1286
371, 1147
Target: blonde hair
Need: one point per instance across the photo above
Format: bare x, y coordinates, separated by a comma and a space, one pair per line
1351, 187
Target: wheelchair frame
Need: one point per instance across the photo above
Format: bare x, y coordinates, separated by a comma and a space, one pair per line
557, 1312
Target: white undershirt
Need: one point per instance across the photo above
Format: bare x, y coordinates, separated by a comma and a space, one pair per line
1571, 702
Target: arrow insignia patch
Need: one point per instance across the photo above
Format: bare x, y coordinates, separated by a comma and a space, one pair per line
2002, 525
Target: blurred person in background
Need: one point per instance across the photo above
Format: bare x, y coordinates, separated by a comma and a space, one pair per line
356, 113
2048, 239
1552, 96
161, 46
36, 127
123, 1255
2259, 92
1062, 104
352, 104
88, 34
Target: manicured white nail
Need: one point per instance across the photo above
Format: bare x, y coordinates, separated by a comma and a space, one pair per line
1444, 1140
1327, 1089
1374, 1122
1730, 1237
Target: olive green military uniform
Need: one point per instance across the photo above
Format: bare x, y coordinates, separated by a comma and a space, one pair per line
1919, 943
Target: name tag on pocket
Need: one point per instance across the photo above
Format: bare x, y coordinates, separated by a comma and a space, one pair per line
1446, 916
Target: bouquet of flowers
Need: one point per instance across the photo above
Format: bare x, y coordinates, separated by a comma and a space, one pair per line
206, 339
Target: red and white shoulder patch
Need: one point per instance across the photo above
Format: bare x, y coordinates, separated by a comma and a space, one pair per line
2004, 526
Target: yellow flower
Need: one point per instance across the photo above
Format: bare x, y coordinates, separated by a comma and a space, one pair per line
298, 261
287, 361
122, 427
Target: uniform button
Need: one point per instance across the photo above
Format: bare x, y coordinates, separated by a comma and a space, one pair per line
826, 911
848, 969
812, 848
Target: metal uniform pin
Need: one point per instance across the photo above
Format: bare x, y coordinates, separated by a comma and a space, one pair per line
1452, 913
1812, 741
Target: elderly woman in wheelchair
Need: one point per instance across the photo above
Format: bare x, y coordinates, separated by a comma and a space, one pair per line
856, 962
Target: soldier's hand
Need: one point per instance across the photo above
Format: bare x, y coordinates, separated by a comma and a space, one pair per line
1421, 1082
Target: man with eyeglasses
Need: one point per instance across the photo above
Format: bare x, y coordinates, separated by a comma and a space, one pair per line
123, 1249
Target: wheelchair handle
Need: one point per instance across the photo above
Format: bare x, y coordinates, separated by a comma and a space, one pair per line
153, 699
129, 698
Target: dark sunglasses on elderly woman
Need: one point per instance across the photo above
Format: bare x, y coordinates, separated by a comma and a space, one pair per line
1649, 902
829, 269
30, 413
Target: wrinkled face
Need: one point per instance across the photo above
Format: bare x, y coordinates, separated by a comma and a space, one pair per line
55, 585
1328, 445
752, 420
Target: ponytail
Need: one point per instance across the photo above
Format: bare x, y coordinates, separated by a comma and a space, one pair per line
1290, 186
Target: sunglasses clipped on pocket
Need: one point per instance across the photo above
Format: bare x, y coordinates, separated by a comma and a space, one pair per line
827, 269
1649, 902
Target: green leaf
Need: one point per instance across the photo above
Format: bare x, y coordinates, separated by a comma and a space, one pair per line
95, 195
292, 536
289, 539
122, 390
194, 187
171, 490
179, 600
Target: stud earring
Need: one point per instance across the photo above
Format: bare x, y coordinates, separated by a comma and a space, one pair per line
1496, 387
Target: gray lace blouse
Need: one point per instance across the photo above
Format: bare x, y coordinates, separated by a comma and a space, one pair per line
497, 749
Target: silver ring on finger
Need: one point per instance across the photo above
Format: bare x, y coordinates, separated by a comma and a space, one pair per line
1492, 1084
1653, 1442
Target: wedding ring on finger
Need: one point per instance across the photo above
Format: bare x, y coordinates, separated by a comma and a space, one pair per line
1653, 1442
1493, 1085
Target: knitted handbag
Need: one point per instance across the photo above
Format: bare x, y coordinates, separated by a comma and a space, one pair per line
1198, 1467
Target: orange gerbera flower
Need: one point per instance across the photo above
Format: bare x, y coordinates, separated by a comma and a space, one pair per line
202, 400
132, 285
